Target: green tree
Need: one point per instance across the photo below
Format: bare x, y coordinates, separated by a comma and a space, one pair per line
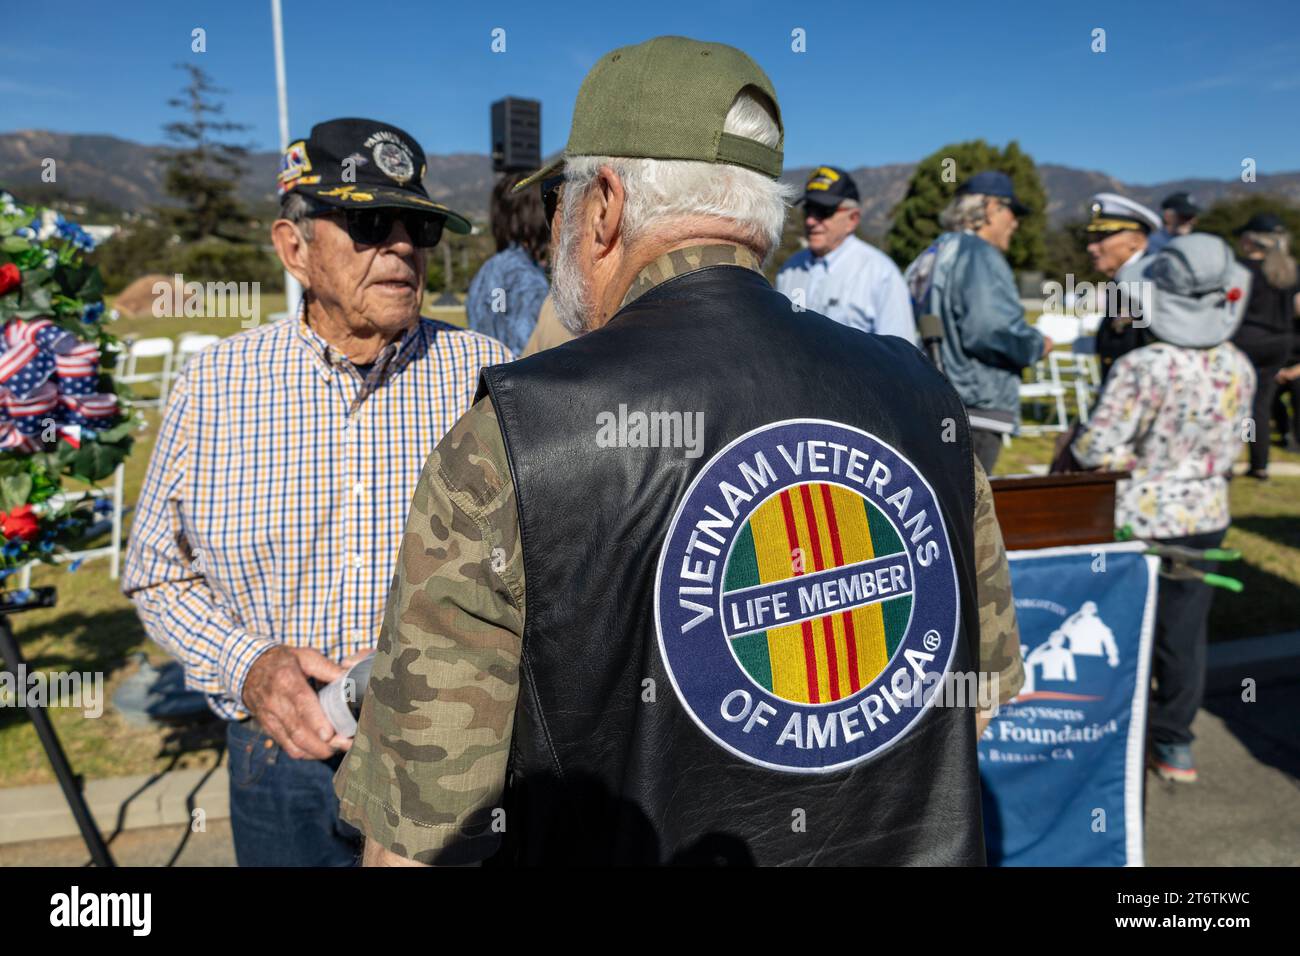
935, 180
1067, 254
138, 249
204, 173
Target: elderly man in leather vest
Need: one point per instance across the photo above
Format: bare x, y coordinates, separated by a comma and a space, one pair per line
682, 589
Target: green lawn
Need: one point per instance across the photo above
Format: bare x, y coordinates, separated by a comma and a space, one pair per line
94, 627
1265, 528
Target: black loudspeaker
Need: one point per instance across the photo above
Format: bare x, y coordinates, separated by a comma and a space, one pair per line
516, 135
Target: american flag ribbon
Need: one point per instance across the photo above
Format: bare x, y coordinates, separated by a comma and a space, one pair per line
11, 439
30, 356
92, 410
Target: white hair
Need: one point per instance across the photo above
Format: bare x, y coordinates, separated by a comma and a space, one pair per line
661, 190
570, 293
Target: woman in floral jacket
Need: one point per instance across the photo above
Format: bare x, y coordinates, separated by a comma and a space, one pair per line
1175, 414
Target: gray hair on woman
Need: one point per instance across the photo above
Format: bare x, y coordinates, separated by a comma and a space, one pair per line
965, 213
1279, 266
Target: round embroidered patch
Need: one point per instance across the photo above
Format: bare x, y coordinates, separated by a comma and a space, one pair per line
395, 161
806, 598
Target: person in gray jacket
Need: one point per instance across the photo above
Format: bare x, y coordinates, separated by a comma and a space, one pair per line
963, 278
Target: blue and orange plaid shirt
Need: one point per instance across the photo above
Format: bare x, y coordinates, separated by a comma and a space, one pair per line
273, 507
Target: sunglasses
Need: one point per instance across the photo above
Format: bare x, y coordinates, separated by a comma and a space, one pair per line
552, 193
370, 227
820, 212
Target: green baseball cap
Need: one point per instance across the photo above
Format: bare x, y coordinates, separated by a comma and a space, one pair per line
668, 98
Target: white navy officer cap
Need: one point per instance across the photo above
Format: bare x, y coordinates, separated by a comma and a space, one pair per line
1112, 212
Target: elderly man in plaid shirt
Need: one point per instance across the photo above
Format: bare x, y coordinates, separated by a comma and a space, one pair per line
273, 508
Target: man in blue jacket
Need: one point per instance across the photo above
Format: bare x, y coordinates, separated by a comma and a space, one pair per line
964, 279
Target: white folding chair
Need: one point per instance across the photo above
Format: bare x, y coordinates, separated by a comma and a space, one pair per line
1046, 387
148, 349
191, 344
1057, 327
1077, 371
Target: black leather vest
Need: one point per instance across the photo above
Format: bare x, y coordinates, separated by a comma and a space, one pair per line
608, 765
1116, 338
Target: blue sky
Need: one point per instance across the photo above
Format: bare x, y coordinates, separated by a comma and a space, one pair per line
1185, 89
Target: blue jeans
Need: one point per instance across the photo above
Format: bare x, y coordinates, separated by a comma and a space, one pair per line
283, 812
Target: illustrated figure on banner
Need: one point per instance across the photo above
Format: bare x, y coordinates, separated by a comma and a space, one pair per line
1087, 636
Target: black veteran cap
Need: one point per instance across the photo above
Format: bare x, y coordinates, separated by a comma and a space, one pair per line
829, 186
351, 163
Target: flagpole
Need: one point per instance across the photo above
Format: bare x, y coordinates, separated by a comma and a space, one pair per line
292, 290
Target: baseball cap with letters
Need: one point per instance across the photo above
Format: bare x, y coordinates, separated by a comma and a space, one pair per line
668, 98
360, 163
828, 186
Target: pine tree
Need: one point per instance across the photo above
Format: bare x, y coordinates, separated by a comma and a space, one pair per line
935, 180
203, 174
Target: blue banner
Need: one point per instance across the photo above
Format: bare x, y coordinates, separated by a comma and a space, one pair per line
1062, 763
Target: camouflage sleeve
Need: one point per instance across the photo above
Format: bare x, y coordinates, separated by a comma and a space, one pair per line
428, 765
999, 631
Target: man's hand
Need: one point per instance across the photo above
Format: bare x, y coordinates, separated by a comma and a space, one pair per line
1048, 345
277, 692
377, 855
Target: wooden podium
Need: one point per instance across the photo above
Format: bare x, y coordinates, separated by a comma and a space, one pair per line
1049, 511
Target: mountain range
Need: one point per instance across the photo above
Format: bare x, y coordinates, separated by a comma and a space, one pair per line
128, 176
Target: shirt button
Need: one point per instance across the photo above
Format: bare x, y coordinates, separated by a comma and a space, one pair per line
359, 489
357, 561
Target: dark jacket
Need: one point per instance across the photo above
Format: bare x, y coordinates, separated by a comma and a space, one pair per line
987, 342
665, 715
1266, 329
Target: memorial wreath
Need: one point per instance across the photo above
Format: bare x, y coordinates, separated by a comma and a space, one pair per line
65, 425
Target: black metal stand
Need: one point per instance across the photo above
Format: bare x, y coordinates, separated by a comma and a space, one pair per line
11, 603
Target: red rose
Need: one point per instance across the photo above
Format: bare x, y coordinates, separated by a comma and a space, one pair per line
20, 523
10, 277
1234, 294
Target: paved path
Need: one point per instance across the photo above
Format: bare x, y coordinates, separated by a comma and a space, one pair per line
153, 847
1245, 809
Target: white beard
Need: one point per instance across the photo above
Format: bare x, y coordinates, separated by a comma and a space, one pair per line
569, 290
